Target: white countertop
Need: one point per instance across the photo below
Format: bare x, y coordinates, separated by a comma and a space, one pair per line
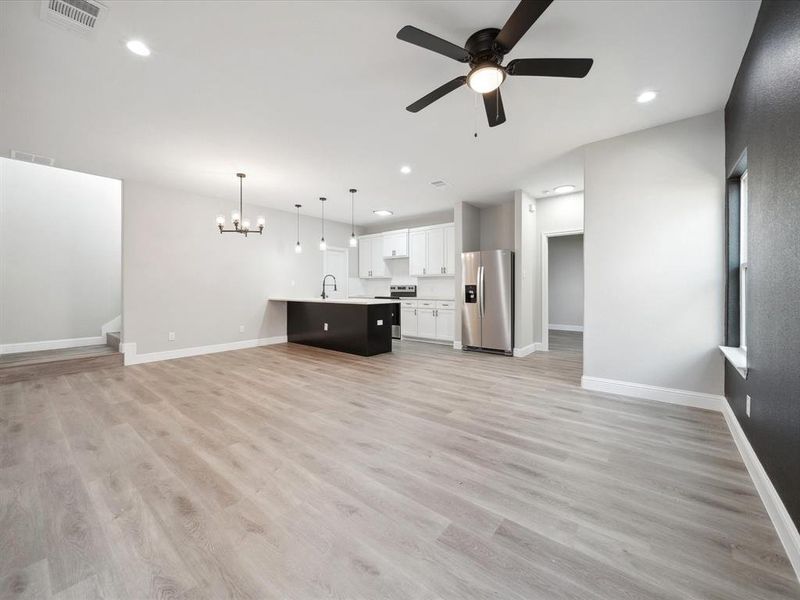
361, 301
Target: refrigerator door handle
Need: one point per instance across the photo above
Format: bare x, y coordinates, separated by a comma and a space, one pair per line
481, 292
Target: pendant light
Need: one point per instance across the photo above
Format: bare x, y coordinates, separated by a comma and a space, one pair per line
322, 244
298, 248
240, 225
353, 239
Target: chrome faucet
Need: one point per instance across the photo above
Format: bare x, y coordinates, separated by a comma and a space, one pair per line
324, 285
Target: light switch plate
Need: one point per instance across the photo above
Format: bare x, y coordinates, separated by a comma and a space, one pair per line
380, 321
325, 327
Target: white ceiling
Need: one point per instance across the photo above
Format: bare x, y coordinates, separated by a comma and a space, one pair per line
308, 98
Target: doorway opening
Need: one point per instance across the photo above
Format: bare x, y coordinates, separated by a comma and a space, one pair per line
60, 270
562, 290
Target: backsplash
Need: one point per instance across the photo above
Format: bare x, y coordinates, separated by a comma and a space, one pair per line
427, 287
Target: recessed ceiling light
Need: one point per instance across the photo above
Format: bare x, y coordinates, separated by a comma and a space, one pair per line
382, 213
563, 189
405, 169
138, 47
647, 96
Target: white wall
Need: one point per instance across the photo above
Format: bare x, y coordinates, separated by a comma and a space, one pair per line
558, 213
653, 242
60, 248
565, 281
497, 226
181, 275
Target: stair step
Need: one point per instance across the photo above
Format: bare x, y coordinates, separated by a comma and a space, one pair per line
23, 366
113, 339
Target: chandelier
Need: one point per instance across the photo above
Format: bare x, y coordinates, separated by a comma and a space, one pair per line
240, 225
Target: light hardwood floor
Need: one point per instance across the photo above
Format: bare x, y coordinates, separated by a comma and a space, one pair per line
298, 473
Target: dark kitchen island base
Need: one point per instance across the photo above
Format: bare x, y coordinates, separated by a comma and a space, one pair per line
363, 329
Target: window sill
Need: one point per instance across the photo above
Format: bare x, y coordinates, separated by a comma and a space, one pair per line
737, 357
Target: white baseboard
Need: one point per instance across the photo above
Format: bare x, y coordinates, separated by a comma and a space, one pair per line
132, 358
565, 327
787, 532
525, 350
411, 338
52, 344
652, 392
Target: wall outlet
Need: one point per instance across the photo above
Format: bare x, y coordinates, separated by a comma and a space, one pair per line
241, 328
171, 336
325, 327
747, 406
380, 322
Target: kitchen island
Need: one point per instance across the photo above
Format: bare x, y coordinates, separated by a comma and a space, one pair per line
360, 326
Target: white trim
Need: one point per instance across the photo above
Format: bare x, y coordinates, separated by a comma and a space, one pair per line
412, 338
456, 345
652, 392
544, 300
787, 531
737, 357
565, 327
525, 350
52, 344
132, 358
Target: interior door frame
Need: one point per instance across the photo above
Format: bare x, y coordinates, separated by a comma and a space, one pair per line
545, 286
344, 285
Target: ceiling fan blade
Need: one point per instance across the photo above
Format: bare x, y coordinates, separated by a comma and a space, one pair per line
426, 40
436, 94
493, 103
550, 67
519, 22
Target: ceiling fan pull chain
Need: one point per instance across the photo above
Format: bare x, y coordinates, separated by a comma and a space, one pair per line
475, 116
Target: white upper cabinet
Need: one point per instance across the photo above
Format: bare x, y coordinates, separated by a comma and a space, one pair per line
395, 244
370, 257
435, 263
431, 251
417, 251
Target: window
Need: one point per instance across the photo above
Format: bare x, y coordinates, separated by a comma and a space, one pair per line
743, 261
735, 348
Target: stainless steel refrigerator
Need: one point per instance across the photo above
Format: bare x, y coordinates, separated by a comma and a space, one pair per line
487, 313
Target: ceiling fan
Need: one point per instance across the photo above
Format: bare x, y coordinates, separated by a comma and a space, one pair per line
484, 52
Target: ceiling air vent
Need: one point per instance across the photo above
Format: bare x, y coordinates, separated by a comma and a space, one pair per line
438, 183
33, 158
80, 15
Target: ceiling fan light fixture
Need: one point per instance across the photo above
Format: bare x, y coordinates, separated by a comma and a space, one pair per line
485, 78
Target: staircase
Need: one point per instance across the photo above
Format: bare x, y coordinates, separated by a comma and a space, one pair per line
23, 366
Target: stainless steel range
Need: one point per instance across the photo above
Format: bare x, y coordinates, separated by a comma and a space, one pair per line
399, 291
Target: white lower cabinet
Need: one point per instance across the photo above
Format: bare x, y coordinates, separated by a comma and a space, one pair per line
445, 324
428, 319
426, 323
408, 322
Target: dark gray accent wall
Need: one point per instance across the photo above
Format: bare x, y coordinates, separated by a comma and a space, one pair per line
763, 117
